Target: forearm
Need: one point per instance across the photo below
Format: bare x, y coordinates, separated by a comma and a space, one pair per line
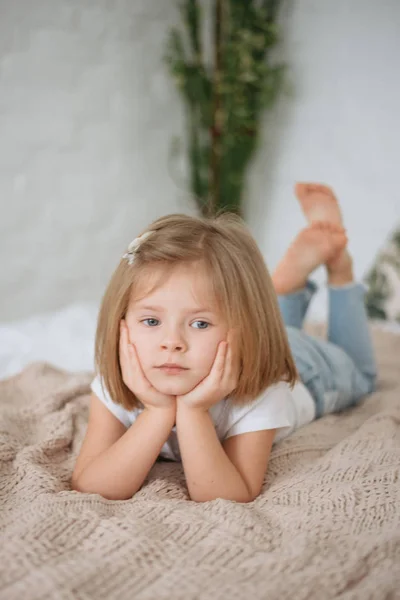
119, 472
209, 472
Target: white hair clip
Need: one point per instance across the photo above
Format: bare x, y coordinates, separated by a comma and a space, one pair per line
134, 246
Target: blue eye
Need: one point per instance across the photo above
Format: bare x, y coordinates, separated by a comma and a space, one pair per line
204, 323
144, 320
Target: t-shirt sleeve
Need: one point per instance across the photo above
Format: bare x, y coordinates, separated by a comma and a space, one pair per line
125, 416
272, 410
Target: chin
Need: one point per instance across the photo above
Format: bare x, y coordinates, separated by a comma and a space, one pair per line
174, 387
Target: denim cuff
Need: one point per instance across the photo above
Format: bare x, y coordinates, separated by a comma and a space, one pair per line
349, 286
343, 286
309, 290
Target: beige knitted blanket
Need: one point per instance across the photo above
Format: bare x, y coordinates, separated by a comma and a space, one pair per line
327, 524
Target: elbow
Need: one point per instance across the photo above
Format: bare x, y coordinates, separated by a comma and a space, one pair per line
78, 486
76, 481
75, 487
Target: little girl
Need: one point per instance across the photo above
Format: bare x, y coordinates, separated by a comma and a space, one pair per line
194, 362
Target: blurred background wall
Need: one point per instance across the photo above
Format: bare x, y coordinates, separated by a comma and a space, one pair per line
88, 111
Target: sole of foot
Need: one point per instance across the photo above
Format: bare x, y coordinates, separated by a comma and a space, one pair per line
315, 245
318, 203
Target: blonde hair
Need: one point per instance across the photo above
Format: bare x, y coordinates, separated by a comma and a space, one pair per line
242, 287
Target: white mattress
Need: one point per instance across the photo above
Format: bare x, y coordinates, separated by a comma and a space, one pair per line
64, 338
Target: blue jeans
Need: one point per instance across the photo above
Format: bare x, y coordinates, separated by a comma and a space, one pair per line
341, 370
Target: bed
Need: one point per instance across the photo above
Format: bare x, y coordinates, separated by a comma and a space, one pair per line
327, 524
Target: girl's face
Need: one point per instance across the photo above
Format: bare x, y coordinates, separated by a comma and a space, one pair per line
177, 323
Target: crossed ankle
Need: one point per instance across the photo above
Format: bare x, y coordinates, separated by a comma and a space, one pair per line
341, 278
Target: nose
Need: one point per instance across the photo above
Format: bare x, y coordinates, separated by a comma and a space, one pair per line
173, 342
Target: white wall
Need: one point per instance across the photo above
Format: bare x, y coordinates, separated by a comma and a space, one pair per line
341, 125
87, 113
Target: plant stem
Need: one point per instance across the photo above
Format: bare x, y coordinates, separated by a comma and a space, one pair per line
216, 127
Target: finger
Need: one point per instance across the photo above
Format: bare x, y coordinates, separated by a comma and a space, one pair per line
141, 381
218, 367
231, 363
127, 362
230, 339
124, 330
125, 345
123, 342
133, 357
124, 362
128, 337
129, 347
228, 370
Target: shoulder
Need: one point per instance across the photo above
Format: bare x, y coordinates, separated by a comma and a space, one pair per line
274, 396
125, 416
273, 408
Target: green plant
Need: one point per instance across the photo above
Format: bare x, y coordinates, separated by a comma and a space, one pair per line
224, 100
383, 281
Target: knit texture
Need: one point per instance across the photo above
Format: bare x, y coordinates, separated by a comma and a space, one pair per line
326, 525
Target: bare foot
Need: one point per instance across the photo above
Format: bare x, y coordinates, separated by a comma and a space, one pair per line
314, 245
318, 203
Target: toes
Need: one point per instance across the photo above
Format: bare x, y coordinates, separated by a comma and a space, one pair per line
304, 188
300, 189
325, 189
309, 188
321, 187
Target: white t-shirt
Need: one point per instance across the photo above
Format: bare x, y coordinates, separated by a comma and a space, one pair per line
278, 407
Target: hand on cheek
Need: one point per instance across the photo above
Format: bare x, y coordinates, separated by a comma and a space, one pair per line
221, 380
134, 377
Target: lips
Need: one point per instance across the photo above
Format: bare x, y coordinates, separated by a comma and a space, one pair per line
171, 369
171, 366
